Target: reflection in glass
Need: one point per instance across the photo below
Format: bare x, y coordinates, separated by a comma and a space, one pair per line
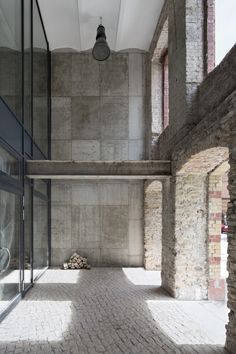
8, 164
10, 54
27, 234
9, 248
40, 86
40, 234
27, 66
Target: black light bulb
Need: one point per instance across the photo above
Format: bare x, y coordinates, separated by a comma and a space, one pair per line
101, 50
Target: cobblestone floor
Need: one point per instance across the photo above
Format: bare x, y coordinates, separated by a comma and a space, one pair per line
111, 311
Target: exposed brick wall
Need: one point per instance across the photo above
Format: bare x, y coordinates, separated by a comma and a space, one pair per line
209, 40
216, 288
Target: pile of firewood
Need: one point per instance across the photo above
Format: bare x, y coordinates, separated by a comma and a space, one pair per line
76, 262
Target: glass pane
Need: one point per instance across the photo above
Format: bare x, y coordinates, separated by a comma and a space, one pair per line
40, 88
9, 164
9, 248
27, 234
40, 235
10, 54
27, 66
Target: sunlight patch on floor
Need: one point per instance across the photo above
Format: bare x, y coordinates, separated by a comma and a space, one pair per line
58, 276
191, 322
140, 276
43, 321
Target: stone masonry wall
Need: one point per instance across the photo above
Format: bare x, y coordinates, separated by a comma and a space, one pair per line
98, 113
152, 224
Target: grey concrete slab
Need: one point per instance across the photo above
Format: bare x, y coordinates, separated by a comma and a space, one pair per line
136, 150
136, 82
136, 241
85, 118
117, 257
115, 75
114, 227
114, 150
114, 193
136, 261
61, 118
61, 150
119, 169
85, 193
114, 117
136, 117
85, 150
85, 75
61, 226
86, 226
61, 192
61, 74
136, 200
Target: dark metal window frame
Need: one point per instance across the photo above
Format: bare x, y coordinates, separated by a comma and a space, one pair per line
22, 154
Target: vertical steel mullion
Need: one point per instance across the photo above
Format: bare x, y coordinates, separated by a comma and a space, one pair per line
22, 172
32, 134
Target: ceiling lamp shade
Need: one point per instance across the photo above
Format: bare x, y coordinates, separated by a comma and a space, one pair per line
101, 50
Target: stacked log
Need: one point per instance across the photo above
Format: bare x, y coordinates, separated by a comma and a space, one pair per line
76, 262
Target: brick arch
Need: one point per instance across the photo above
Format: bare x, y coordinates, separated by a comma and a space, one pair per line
204, 161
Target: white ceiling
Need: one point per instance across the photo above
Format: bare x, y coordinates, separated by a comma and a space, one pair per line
73, 23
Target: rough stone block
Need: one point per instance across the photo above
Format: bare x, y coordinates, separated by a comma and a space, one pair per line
114, 118
114, 227
114, 76
85, 75
85, 118
61, 118
85, 150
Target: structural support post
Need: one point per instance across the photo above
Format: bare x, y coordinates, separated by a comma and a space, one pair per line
152, 224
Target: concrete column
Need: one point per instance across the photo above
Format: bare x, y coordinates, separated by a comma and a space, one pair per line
152, 225
184, 266
216, 290
231, 281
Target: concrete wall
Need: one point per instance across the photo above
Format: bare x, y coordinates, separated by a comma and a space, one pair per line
98, 112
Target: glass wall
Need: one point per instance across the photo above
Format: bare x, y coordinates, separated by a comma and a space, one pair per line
9, 247
10, 54
24, 122
40, 87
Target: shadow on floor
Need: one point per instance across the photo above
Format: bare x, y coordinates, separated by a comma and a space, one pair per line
100, 311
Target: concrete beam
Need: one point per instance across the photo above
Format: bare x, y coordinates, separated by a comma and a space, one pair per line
48, 169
